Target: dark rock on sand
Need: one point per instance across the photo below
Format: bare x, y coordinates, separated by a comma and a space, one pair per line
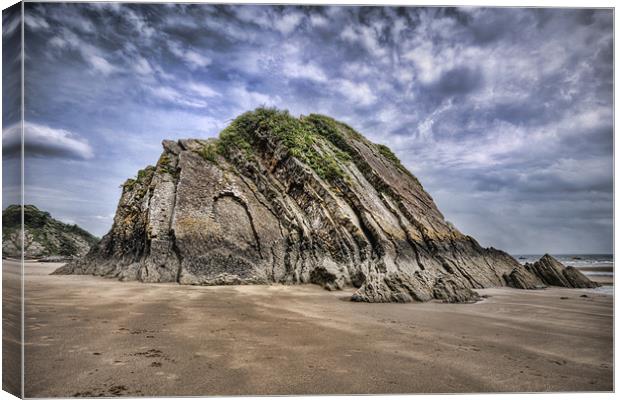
547, 271
290, 200
521, 278
577, 279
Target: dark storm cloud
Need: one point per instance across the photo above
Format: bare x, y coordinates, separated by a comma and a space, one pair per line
11, 65
458, 81
11, 101
505, 114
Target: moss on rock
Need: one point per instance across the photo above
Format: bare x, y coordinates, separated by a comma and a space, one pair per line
298, 136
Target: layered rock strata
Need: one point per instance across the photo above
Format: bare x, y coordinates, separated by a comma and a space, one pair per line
547, 272
290, 200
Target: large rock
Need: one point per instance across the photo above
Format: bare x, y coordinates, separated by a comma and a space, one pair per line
44, 237
290, 200
521, 278
547, 271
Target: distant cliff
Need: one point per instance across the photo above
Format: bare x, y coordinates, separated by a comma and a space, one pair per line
290, 200
44, 237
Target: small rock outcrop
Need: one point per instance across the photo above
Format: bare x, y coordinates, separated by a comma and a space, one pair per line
577, 279
521, 278
547, 271
290, 200
45, 238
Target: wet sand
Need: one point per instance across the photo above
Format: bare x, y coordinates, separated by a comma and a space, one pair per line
596, 268
90, 336
602, 274
604, 280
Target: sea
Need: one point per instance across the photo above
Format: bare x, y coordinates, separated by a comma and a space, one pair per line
595, 266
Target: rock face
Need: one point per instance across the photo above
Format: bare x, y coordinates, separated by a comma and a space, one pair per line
577, 279
547, 271
522, 278
44, 237
290, 200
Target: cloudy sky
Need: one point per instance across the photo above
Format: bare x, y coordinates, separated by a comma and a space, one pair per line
504, 114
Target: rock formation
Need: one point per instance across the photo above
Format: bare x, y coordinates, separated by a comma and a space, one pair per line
290, 200
547, 271
44, 237
521, 278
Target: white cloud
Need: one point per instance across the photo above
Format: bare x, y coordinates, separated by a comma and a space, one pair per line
359, 93
42, 140
196, 60
35, 22
265, 17
115, 7
192, 58
257, 15
57, 41
9, 28
230, 29
163, 74
425, 128
249, 99
139, 23
84, 25
66, 220
172, 95
108, 217
367, 37
142, 66
428, 69
356, 69
308, 71
287, 22
348, 33
100, 64
91, 54
318, 20
202, 90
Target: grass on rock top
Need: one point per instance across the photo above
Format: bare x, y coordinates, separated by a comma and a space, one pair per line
55, 236
164, 164
143, 176
318, 141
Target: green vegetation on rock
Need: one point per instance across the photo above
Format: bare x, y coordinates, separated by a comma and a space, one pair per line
318, 141
43, 235
142, 180
210, 152
299, 137
164, 164
387, 153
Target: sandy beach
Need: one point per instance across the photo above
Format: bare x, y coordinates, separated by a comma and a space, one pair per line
90, 336
11, 322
